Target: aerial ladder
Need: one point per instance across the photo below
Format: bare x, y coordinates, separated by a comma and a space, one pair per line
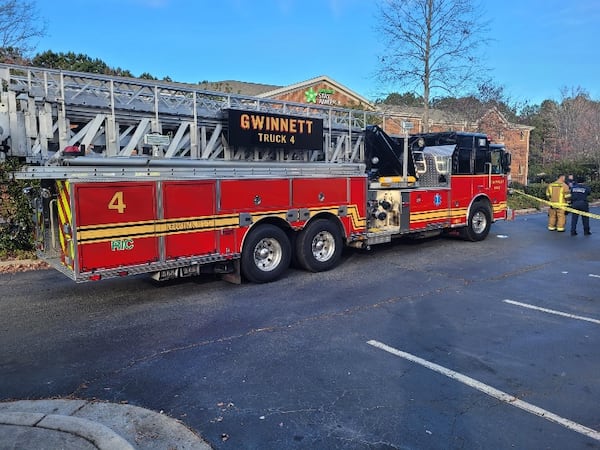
45, 113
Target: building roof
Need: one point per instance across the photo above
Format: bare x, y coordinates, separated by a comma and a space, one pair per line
416, 112
237, 87
320, 79
505, 120
270, 91
439, 116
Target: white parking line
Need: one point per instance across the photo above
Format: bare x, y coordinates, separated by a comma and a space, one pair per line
492, 392
552, 311
594, 275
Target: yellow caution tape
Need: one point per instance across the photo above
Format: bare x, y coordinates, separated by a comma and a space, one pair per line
557, 205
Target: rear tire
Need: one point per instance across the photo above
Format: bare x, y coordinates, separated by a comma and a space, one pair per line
479, 224
319, 246
266, 254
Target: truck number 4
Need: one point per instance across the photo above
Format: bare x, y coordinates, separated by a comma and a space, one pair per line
117, 202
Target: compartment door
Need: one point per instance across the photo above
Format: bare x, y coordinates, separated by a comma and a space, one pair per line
116, 224
189, 218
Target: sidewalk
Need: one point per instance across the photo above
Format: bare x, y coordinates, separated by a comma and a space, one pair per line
83, 425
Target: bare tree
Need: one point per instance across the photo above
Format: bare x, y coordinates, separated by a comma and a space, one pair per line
431, 45
20, 25
578, 127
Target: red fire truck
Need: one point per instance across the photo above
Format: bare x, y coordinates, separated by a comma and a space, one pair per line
232, 186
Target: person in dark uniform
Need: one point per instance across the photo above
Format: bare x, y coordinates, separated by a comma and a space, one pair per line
579, 201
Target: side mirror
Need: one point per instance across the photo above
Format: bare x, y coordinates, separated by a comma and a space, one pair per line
506, 161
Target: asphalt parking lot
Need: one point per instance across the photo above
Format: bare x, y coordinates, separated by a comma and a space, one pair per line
428, 344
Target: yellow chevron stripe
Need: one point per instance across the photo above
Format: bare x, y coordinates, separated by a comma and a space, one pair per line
358, 222
65, 217
62, 215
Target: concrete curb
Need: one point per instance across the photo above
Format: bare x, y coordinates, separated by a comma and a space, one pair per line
523, 212
99, 435
75, 424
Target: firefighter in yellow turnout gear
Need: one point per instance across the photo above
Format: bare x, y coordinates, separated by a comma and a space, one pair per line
559, 194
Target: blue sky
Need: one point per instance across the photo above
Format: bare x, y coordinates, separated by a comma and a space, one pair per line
539, 46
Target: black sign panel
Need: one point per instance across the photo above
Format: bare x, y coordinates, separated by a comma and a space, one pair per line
258, 129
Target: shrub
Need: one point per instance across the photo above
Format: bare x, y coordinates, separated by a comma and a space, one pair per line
16, 224
516, 200
595, 186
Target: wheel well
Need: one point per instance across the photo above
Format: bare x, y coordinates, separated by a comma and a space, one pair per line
484, 201
332, 218
279, 223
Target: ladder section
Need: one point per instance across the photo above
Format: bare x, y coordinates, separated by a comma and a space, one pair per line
140, 168
45, 111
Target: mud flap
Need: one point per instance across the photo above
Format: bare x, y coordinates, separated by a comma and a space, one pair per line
234, 277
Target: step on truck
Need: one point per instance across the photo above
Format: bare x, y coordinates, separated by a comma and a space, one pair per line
133, 176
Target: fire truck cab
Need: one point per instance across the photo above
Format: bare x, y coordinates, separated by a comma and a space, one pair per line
460, 185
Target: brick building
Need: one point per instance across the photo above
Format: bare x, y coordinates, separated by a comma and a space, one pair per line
324, 91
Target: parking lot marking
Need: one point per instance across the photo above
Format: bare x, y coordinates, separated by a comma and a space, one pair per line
552, 311
491, 391
594, 275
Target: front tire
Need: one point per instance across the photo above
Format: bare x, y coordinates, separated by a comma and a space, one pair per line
266, 254
479, 224
319, 246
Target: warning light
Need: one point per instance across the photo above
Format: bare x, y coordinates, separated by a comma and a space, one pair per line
74, 150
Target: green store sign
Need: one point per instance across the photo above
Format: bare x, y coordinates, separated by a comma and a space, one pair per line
321, 97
